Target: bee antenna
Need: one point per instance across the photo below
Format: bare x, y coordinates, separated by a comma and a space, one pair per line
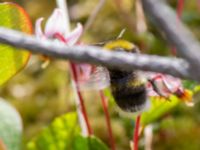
121, 33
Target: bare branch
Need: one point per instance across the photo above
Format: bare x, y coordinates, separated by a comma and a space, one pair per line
178, 35
96, 55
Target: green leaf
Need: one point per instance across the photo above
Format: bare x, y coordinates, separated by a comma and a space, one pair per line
190, 85
88, 143
109, 96
12, 60
58, 136
10, 126
63, 134
158, 108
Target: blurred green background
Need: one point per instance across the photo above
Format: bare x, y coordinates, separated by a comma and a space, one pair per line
42, 94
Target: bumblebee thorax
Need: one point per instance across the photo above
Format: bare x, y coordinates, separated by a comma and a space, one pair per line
121, 45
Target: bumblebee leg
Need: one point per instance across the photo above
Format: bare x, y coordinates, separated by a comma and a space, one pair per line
155, 88
153, 80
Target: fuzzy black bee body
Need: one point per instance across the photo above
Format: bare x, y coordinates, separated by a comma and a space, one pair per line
128, 89
129, 97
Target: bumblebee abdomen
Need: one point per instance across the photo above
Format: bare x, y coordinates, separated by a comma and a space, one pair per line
129, 93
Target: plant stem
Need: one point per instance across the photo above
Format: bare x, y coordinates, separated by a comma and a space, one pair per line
79, 96
93, 15
105, 109
83, 110
125, 16
179, 10
136, 133
83, 118
141, 26
148, 137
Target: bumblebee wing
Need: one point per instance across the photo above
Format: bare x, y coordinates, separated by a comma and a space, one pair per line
98, 80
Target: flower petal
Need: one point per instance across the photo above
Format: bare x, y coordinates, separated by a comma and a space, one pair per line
38, 29
84, 71
73, 37
172, 83
55, 24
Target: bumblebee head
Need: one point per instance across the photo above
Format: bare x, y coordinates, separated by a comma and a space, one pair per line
121, 45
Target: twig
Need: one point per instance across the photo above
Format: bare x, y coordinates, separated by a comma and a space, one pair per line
187, 46
95, 55
125, 16
94, 14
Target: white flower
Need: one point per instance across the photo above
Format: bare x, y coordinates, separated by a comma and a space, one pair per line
56, 26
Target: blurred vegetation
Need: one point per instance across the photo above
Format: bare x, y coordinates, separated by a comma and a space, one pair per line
42, 94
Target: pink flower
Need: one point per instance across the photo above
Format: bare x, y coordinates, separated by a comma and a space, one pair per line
56, 28
166, 86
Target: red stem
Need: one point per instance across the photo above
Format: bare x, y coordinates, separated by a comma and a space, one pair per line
83, 110
136, 133
105, 108
173, 51
179, 10
75, 78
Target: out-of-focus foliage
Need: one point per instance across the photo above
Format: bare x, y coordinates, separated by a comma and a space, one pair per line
11, 59
158, 108
59, 135
42, 94
190, 84
178, 133
64, 133
10, 126
88, 143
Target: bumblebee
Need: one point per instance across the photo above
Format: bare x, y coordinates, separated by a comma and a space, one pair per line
131, 89
128, 88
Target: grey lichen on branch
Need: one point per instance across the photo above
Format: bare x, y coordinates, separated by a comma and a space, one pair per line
96, 55
175, 32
